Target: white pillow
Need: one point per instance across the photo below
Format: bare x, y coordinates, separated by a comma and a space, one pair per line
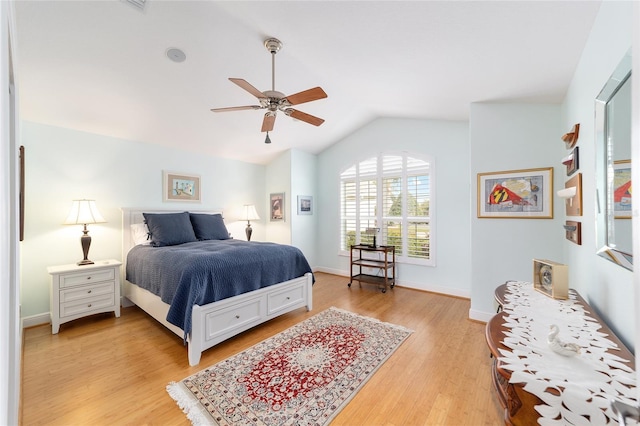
140, 234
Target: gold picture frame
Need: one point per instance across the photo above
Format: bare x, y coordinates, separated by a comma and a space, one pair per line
516, 194
180, 187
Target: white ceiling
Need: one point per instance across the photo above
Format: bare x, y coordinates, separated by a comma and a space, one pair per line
100, 66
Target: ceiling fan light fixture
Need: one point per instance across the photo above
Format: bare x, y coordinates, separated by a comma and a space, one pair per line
267, 139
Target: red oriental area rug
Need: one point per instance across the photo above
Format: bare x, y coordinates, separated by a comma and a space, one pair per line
303, 375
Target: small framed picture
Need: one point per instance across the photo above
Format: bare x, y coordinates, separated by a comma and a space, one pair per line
572, 161
305, 204
180, 187
276, 202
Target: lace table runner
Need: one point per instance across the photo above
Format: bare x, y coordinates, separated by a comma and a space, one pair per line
586, 382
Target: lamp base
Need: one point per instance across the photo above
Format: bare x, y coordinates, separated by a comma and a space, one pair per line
85, 241
248, 231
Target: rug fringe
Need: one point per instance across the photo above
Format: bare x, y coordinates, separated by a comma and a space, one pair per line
396, 326
189, 405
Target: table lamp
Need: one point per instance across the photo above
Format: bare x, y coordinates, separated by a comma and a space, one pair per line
250, 214
84, 212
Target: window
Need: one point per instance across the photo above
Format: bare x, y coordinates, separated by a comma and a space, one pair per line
392, 193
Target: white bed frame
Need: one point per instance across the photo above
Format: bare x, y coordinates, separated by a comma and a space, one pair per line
217, 321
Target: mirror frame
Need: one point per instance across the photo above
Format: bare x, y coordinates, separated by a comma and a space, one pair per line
605, 228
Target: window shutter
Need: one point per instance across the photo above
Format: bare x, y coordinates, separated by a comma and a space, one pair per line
391, 193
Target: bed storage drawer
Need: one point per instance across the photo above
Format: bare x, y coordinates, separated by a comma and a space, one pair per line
285, 298
233, 318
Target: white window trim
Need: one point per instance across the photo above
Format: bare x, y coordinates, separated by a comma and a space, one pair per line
432, 203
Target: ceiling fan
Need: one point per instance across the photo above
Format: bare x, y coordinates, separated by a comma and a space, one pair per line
272, 100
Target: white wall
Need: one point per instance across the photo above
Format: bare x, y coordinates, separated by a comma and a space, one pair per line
512, 137
303, 182
10, 331
278, 180
607, 287
445, 141
64, 164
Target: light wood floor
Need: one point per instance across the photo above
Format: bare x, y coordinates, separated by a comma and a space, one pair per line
104, 370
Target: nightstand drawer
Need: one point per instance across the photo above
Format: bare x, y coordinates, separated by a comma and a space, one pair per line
86, 277
87, 291
85, 306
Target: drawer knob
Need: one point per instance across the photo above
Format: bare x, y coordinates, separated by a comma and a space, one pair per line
288, 298
237, 316
89, 291
89, 277
89, 305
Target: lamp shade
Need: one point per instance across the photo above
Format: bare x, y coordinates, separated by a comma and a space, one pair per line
84, 212
250, 212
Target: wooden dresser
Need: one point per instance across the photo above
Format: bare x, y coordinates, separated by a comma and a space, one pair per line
518, 404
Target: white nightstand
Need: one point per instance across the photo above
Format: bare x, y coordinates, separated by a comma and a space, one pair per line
78, 291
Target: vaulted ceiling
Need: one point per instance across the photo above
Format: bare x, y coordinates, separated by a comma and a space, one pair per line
101, 66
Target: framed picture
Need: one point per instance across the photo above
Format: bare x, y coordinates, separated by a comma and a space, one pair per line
180, 187
276, 202
516, 194
305, 204
622, 189
572, 161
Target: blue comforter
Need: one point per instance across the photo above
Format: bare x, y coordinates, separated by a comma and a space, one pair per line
207, 271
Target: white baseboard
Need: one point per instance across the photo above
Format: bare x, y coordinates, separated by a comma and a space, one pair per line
331, 271
45, 318
33, 320
480, 316
465, 294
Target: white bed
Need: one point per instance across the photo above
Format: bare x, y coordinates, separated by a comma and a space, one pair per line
218, 321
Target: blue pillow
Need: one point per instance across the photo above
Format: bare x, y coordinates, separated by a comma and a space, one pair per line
209, 226
169, 229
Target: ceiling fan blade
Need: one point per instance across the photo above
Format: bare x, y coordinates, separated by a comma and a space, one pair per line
306, 96
238, 108
303, 116
248, 87
268, 122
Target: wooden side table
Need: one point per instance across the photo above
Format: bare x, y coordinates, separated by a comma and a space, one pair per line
386, 266
519, 404
79, 291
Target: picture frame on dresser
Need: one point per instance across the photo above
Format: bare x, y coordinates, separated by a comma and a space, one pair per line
516, 194
180, 187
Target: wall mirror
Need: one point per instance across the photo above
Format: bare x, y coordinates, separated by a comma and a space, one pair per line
613, 167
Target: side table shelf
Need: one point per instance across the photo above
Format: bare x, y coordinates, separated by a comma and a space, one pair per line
381, 259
